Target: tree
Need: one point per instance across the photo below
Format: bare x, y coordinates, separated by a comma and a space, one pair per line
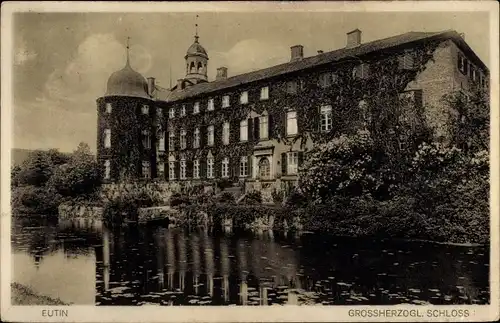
470, 121
80, 176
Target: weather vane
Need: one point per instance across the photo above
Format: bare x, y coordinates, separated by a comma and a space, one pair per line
196, 28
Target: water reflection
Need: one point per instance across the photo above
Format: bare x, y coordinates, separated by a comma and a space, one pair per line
138, 265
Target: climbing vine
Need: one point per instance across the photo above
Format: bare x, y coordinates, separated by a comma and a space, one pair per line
379, 90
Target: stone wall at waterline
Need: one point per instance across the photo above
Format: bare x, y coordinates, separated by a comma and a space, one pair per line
69, 211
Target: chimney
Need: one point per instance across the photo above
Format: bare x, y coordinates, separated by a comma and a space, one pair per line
353, 38
151, 85
320, 51
180, 83
297, 53
221, 73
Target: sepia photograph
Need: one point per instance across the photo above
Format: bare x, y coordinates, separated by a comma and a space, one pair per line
216, 157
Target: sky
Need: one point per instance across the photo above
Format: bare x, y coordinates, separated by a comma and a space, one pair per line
62, 61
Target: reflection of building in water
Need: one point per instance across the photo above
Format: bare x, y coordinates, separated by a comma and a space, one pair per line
105, 258
160, 255
182, 252
194, 242
170, 246
209, 261
225, 267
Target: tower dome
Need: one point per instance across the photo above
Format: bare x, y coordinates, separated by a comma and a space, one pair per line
127, 82
196, 49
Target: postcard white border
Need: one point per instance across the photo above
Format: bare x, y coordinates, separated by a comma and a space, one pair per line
242, 313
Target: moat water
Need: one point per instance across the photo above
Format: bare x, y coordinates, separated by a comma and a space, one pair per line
84, 262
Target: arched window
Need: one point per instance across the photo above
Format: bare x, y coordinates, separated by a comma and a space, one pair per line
192, 69
200, 67
264, 168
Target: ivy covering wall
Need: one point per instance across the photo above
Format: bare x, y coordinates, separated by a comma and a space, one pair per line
376, 80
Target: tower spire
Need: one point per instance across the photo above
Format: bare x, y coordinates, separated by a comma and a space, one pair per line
128, 49
196, 30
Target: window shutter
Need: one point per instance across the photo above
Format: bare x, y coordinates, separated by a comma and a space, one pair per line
300, 158
317, 117
203, 167
177, 170
189, 168
270, 126
283, 164
167, 170
250, 130
284, 124
250, 171
256, 128
217, 168
203, 136
236, 165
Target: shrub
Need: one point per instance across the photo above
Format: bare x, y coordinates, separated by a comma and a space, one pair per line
243, 215
277, 195
126, 199
35, 200
178, 199
252, 197
80, 176
225, 197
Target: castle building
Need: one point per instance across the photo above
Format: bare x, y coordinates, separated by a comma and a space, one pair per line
255, 127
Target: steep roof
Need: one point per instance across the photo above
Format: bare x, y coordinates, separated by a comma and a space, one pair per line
321, 59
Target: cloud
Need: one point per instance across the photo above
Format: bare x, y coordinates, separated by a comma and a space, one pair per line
66, 112
249, 55
23, 54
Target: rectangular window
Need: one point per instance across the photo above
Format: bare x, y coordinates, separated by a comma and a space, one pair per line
160, 169
225, 167
291, 87
225, 101
473, 74
145, 169
225, 133
244, 166
326, 118
244, 97
211, 105
196, 138
264, 93
146, 139
171, 170
182, 174
196, 169
171, 113
107, 138
325, 80
159, 113
292, 162
107, 169
108, 107
244, 130
145, 109
210, 168
183, 139
291, 123
361, 71
161, 142
171, 141
210, 135
263, 127
406, 61
196, 108
183, 110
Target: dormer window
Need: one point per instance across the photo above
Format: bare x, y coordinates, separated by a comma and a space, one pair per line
225, 101
264, 93
244, 97
145, 109
183, 110
210, 106
196, 108
291, 87
108, 107
171, 113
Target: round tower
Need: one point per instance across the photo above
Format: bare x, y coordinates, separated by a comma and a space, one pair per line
124, 127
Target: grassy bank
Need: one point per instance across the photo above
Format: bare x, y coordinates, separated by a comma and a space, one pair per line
23, 295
